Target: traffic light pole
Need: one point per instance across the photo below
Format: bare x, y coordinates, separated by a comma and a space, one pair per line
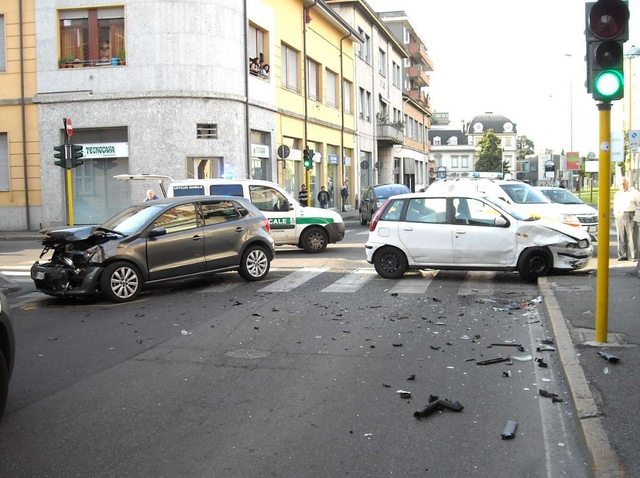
308, 181
604, 213
68, 176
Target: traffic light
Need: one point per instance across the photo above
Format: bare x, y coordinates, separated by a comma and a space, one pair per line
61, 154
606, 29
308, 158
76, 154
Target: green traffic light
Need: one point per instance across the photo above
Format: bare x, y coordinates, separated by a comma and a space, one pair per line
608, 84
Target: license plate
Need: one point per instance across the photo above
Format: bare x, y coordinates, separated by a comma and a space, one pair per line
39, 276
592, 229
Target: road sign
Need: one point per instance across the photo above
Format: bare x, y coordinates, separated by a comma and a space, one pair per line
634, 139
68, 126
441, 173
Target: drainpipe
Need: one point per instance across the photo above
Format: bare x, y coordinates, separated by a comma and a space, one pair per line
24, 120
342, 106
305, 15
246, 89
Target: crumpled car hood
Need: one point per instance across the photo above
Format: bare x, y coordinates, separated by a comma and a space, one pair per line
90, 235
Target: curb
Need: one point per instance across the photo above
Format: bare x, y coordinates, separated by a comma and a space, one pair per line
605, 462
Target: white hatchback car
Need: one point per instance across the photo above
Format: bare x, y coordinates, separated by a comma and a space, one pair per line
470, 232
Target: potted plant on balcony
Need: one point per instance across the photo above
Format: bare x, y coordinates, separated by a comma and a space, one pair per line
121, 57
65, 62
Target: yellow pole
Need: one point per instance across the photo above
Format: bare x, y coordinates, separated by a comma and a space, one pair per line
308, 180
70, 196
604, 213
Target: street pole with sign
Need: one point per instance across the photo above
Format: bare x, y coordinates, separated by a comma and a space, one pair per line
68, 130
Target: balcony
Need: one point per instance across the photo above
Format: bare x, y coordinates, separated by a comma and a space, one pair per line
418, 74
390, 133
419, 52
420, 97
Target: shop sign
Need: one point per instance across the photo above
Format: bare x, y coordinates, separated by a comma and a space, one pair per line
333, 159
259, 151
105, 150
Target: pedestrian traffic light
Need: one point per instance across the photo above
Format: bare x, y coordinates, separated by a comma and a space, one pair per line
61, 155
76, 154
308, 158
606, 29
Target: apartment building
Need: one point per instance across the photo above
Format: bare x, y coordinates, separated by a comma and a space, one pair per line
311, 50
20, 186
415, 168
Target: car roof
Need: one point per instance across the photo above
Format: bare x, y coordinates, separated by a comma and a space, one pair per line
444, 194
200, 198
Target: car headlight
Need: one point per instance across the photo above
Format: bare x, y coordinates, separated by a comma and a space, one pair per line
583, 243
570, 219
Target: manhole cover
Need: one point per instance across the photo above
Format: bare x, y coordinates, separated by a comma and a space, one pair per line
247, 354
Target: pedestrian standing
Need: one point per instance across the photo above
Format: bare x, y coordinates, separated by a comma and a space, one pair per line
344, 193
625, 202
303, 195
323, 198
151, 196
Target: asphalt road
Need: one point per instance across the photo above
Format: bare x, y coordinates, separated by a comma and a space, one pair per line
220, 377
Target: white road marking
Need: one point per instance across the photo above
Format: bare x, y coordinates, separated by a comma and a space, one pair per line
412, 285
478, 283
295, 279
352, 281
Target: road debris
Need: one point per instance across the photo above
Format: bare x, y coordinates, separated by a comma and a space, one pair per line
509, 430
522, 358
185, 332
609, 357
435, 404
520, 347
545, 349
494, 360
507, 373
404, 393
412, 377
541, 363
553, 396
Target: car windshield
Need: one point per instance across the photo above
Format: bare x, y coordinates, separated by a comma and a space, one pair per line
562, 196
522, 193
133, 219
385, 192
506, 207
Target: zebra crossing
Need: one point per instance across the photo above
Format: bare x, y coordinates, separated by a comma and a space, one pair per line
283, 280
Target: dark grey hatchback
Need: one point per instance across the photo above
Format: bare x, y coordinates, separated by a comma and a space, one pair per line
153, 242
374, 196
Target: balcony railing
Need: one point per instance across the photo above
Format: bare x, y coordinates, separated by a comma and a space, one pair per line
417, 73
390, 133
419, 52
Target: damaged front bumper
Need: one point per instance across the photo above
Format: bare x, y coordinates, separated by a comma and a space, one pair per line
61, 280
571, 258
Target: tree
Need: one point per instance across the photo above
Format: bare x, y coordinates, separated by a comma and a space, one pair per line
525, 146
490, 159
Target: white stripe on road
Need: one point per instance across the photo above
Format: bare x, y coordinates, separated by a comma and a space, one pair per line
295, 279
476, 284
17, 273
413, 285
352, 282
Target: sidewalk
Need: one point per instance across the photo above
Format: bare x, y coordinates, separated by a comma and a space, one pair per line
606, 394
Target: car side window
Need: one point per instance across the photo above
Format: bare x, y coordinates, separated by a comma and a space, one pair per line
427, 210
178, 218
475, 212
393, 211
226, 190
266, 198
217, 212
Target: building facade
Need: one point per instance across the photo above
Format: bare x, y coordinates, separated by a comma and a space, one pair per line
20, 185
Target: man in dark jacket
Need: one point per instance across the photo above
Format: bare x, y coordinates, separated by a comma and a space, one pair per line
303, 195
344, 192
323, 198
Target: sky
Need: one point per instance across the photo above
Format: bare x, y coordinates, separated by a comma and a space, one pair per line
523, 59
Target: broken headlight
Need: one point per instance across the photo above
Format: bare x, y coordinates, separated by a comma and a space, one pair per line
581, 244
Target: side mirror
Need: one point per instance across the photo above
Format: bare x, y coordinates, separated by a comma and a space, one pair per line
157, 231
500, 221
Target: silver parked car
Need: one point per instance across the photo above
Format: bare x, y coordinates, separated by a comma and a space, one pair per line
153, 242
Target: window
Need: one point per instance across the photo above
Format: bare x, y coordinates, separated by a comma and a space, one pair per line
332, 89
217, 212
206, 131
406, 35
346, 96
92, 36
465, 161
363, 99
360, 46
382, 59
393, 211
454, 161
289, 68
226, 190
368, 107
258, 65
266, 198
179, 218
4, 162
396, 74
507, 141
427, 210
367, 49
3, 60
437, 141
452, 141
313, 80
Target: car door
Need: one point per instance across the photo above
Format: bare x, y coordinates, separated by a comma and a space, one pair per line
275, 206
425, 231
477, 240
181, 250
224, 233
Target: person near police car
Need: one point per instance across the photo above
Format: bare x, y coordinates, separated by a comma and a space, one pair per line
323, 198
625, 202
303, 195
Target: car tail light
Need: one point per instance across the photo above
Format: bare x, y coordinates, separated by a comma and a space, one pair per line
267, 225
376, 218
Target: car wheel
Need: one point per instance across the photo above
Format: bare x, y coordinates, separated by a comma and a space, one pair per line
4, 383
314, 240
363, 221
535, 263
121, 282
390, 263
255, 264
